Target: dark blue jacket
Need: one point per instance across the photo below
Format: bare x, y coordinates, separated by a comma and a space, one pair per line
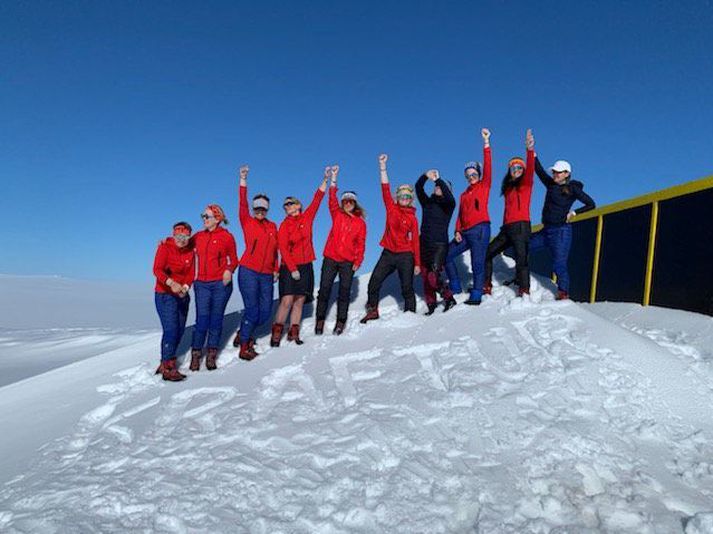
437, 211
559, 198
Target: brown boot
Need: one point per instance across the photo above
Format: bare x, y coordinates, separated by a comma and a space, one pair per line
293, 334
338, 328
211, 359
488, 289
276, 334
196, 357
170, 371
372, 312
236, 339
523, 291
247, 352
319, 327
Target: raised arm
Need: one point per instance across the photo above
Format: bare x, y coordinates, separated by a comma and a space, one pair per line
420, 190
333, 202
487, 159
530, 163
243, 208
542, 174
385, 189
311, 211
447, 199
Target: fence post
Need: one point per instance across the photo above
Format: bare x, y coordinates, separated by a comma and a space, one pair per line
650, 255
595, 266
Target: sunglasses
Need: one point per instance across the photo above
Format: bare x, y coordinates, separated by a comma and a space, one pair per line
350, 200
405, 196
473, 175
263, 210
289, 204
181, 237
205, 217
517, 167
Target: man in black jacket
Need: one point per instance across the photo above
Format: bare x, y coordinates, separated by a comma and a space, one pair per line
437, 212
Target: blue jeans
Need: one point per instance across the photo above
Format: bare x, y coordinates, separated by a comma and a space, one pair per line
558, 240
211, 300
172, 311
476, 240
257, 290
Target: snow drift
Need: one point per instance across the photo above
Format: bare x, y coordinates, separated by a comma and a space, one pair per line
521, 415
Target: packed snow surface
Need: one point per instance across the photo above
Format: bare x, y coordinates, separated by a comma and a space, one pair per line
521, 415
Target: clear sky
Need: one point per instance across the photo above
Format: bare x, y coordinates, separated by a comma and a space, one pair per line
119, 118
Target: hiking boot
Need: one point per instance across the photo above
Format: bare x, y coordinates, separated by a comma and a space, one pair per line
211, 359
371, 314
339, 328
196, 357
169, 371
236, 339
293, 334
247, 351
431, 309
450, 302
488, 289
276, 334
319, 327
562, 295
523, 291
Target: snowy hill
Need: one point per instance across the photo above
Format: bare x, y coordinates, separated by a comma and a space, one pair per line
518, 416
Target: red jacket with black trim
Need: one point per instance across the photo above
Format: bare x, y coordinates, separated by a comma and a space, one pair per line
401, 232
174, 262
517, 199
215, 252
473, 207
295, 235
261, 245
347, 238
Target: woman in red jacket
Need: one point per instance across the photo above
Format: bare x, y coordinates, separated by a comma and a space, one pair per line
401, 246
258, 266
174, 269
296, 278
515, 232
343, 254
217, 260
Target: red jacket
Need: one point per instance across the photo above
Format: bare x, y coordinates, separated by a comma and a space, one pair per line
474, 200
260, 239
517, 199
295, 235
347, 238
215, 252
401, 232
175, 263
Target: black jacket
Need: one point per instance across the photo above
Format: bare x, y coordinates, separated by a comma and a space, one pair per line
559, 198
437, 211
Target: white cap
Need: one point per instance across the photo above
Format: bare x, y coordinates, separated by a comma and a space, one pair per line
261, 202
561, 165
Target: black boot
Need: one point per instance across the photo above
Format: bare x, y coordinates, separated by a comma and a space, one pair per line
431, 308
450, 302
319, 327
196, 357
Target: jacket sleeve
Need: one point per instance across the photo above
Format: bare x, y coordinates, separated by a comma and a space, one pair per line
584, 198
545, 178
191, 270
159, 264
361, 246
487, 167
416, 243
311, 211
460, 210
232, 253
529, 169
243, 208
448, 199
284, 245
420, 191
386, 196
333, 202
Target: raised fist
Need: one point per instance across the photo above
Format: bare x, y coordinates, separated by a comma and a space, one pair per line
529, 139
327, 172
383, 158
244, 170
335, 170
486, 134
433, 174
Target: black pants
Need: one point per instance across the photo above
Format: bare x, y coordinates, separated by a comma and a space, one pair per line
433, 255
403, 262
330, 269
517, 236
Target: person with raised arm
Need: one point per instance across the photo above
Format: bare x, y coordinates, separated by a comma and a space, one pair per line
343, 253
258, 266
217, 257
401, 246
296, 279
437, 211
473, 224
557, 214
174, 269
515, 231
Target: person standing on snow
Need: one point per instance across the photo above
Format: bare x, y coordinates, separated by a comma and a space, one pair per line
437, 212
217, 257
557, 213
515, 232
258, 266
174, 269
401, 246
473, 224
343, 254
296, 277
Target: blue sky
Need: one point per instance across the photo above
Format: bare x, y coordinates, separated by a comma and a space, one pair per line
117, 119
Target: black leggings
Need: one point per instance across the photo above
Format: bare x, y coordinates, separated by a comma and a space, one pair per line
330, 269
517, 236
403, 262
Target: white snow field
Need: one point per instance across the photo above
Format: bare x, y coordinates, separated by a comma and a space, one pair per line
521, 415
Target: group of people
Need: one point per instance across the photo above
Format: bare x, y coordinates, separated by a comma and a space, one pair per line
208, 259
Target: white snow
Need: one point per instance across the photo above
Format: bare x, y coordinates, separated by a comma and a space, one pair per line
521, 415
